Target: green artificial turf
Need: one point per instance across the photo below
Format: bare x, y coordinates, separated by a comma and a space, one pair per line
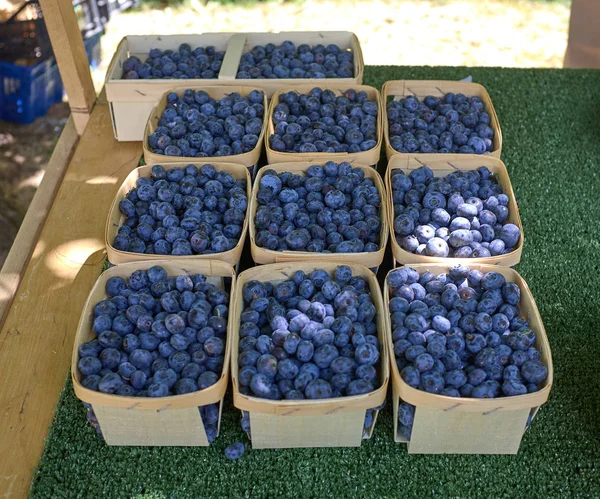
550, 122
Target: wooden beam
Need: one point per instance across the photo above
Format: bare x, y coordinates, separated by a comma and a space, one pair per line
27, 237
72, 60
37, 338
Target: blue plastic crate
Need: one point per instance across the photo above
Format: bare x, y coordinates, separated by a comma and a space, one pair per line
27, 92
93, 49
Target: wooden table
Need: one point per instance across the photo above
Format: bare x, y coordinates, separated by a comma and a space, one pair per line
37, 337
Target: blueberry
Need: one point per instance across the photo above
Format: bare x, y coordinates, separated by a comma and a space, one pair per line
110, 383
359, 387
185, 385
260, 385
114, 285
234, 451
406, 414
207, 379
455, 378
89, 366
411, 376
158, 390
366, 354
437, 247
512, 387
432, 382
533, 371
487, 389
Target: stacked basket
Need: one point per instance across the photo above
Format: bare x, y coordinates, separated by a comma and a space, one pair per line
445, 424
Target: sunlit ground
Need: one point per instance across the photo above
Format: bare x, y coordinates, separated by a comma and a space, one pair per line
508, 33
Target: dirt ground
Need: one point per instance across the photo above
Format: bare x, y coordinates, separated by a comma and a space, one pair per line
511, 33
24, 155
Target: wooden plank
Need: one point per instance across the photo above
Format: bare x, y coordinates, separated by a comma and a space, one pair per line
282, 432
175, 427
72, 60
436, 431
27, 237
37, 338
231, 61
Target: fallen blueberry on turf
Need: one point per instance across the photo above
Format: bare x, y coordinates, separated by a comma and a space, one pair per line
182, 211
290, 61
330, 209
453, 337
323, 122
448, 124
196, 125
235, 451
462, 215
184, 63
318, 337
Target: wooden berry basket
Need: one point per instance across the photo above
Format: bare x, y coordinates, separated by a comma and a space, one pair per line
437, 88
442, 165
336, 422
370, 157
131, 101
449, 425
244, 42
371, 260
248, 159
115, 218
165, 421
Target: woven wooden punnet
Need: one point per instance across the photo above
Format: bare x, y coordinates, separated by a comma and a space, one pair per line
244, 42
370, 157
336, 422
449, 425
442, 165
166, 421
437, 88
115, 218
248, 159
371, 260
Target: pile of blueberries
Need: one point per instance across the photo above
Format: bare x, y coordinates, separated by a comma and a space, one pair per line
320, 121
288, 61
157, 336
453, 123
196, 125
460, 334
183, 211
201, 62
462, 215
310, 337
331, 209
